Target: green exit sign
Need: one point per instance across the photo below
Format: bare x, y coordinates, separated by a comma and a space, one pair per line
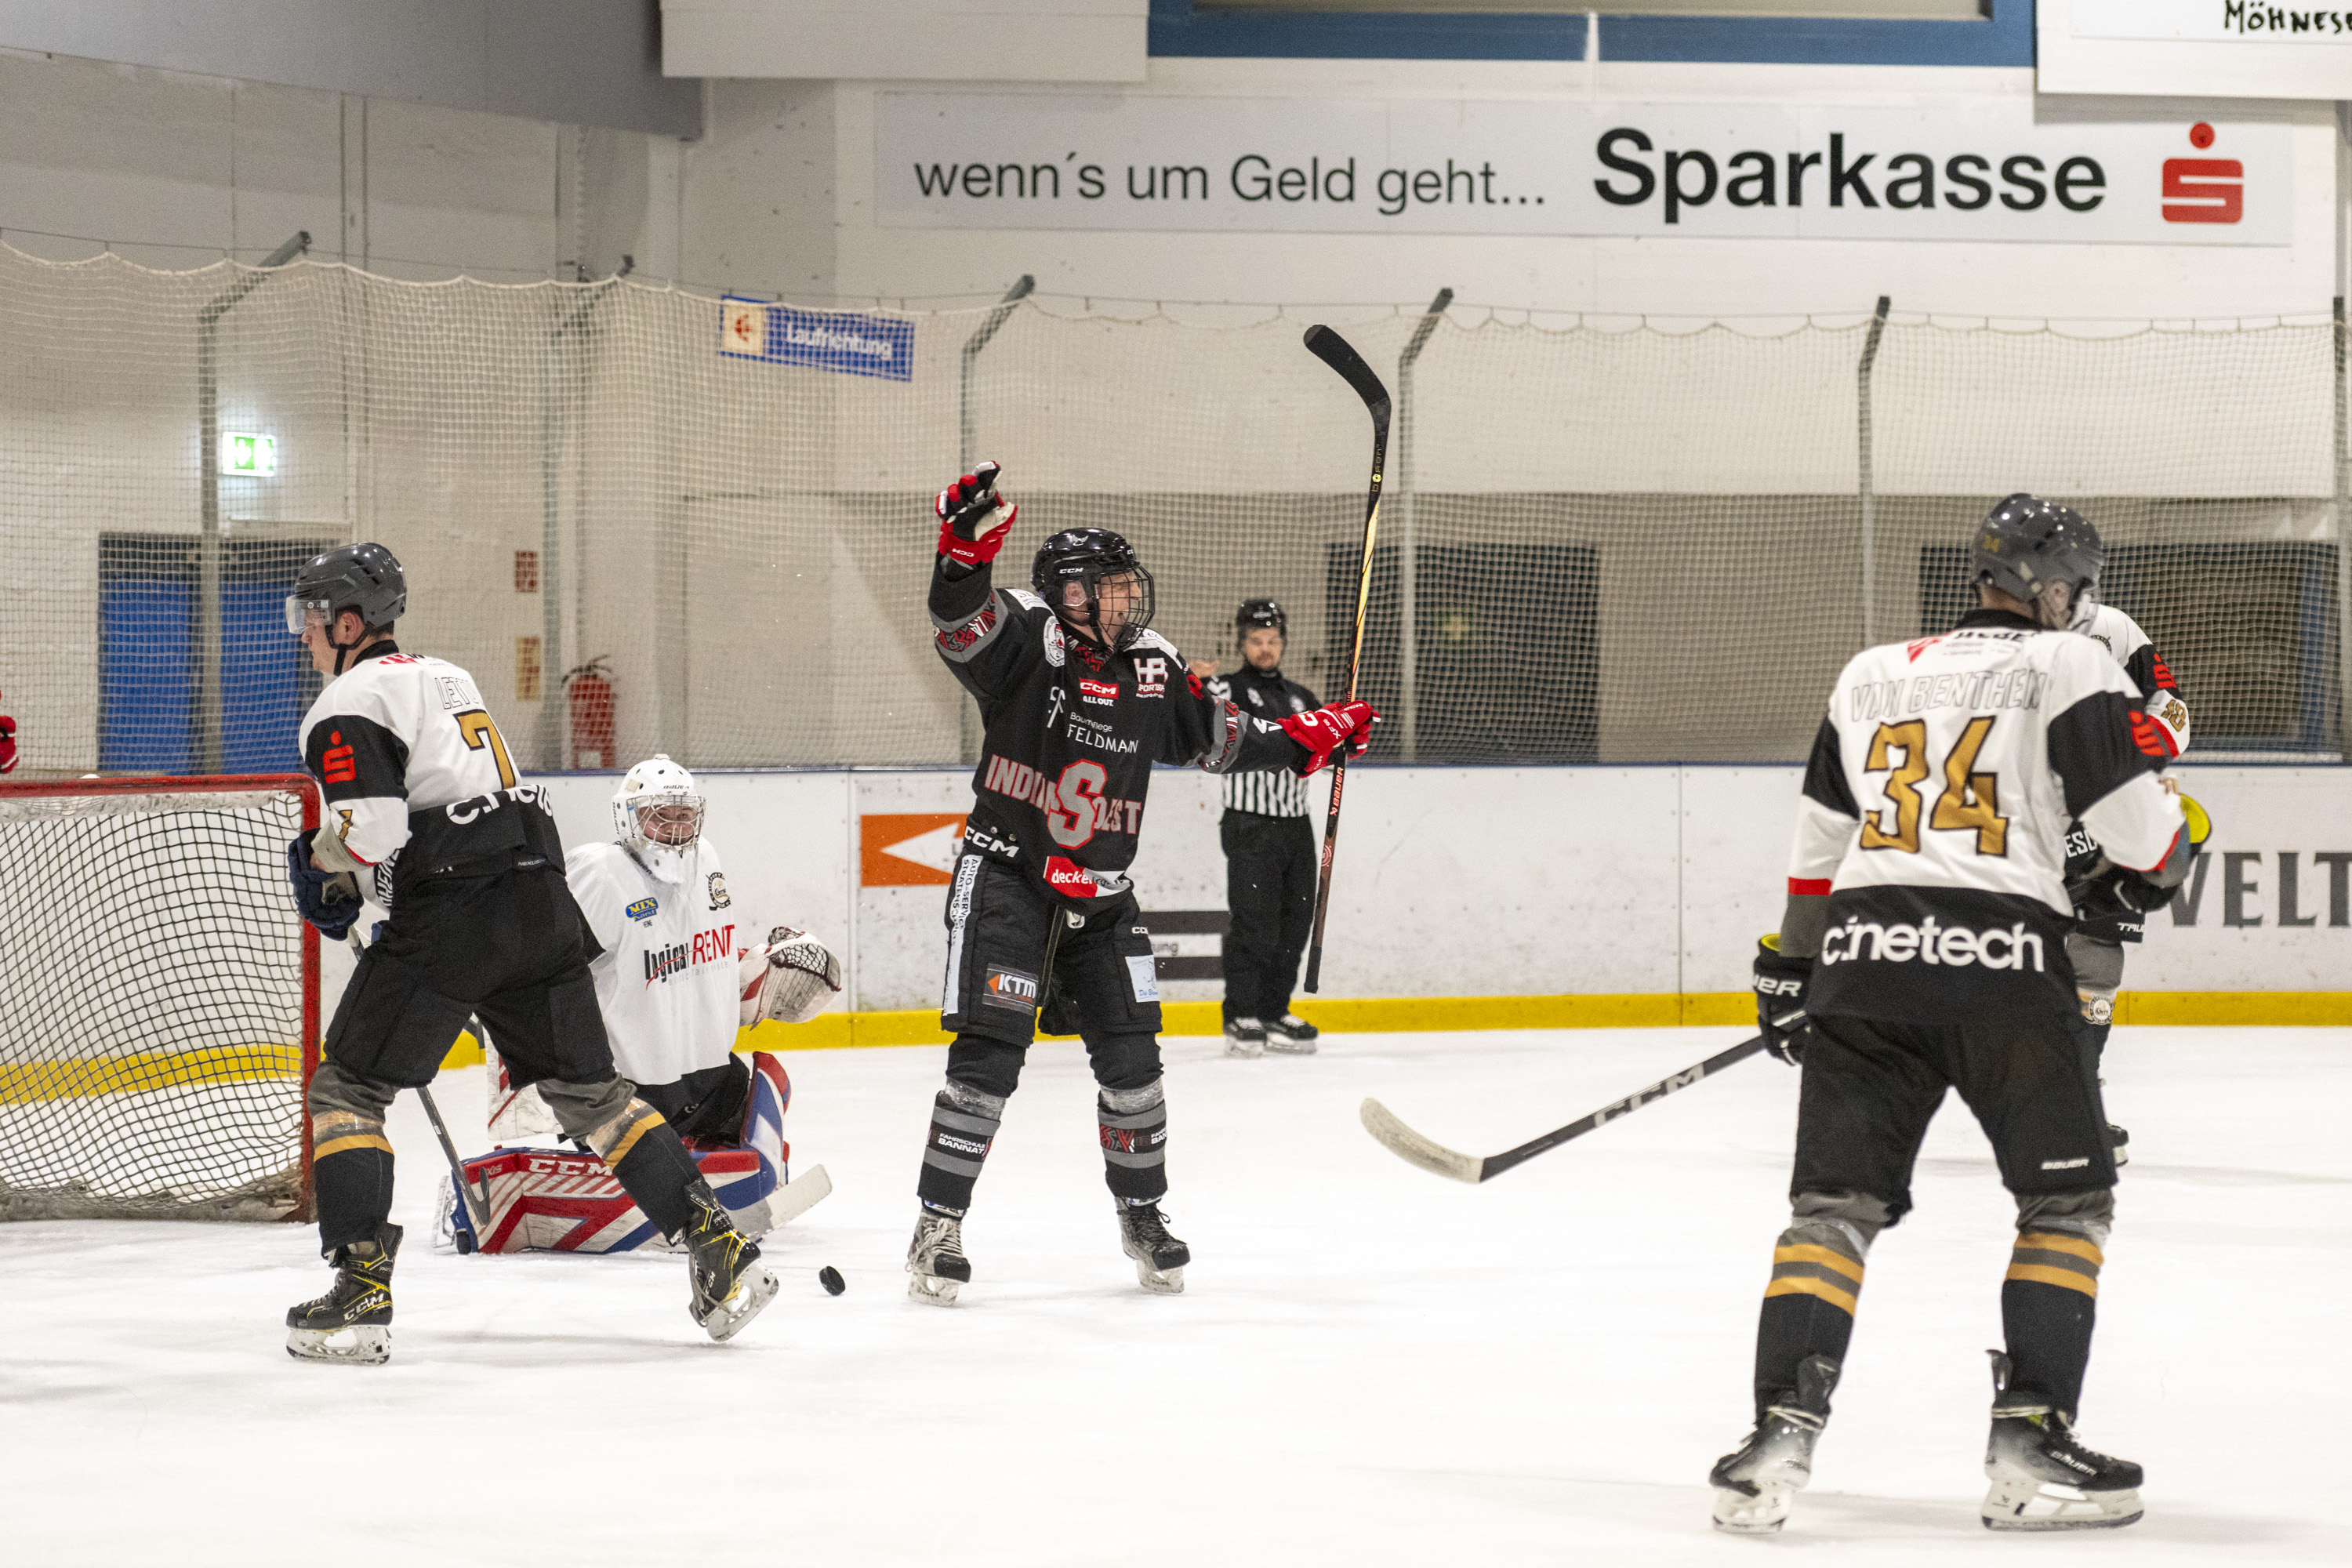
254, 456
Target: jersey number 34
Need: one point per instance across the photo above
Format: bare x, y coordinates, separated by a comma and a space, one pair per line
1969, 802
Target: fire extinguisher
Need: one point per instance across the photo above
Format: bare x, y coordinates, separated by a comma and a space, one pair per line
591, 688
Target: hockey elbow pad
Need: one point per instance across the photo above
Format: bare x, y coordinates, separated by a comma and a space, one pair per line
1782, 981
973, 519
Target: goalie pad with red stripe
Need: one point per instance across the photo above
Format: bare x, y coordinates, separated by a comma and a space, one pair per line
562, 1200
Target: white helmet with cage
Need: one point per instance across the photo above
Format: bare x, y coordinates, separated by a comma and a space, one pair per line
657, 817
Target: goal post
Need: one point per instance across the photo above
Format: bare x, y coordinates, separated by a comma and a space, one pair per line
159, 999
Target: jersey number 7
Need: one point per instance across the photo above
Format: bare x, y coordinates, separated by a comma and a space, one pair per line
1969, 799
478, 729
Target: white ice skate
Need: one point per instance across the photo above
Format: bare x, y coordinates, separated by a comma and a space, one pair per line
1755, 1484
935, 1259
2042, 1477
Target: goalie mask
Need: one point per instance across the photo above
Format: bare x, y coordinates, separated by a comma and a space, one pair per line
1113, 600
657, 817
2043, 554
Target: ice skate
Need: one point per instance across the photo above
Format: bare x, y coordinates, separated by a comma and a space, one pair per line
935, 1258
730, 1288
2120, 1140
1245, 1038
1160, 1257
352, 1323
2042, 1477
1292, 1035
1755, 1485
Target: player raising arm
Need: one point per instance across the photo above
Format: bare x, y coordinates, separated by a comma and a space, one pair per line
675, 977
421, 800
1079, 698
1924, 947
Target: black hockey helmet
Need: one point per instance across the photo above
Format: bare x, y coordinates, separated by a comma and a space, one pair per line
2031, 548
362, 577
1261, 615
1088, 556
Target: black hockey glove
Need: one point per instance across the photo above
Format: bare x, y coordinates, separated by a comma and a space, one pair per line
328, 899
2108, 890
1781, 985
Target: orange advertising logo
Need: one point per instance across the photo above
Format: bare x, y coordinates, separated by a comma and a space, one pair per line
906, 849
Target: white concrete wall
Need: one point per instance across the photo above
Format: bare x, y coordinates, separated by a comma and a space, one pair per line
1517, 881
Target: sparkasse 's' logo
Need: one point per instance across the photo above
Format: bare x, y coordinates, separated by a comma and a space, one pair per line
2204, 190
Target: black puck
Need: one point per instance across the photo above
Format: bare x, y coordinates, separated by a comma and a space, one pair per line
829, 1277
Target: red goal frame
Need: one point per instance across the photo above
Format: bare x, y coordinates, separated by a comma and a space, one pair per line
303, 787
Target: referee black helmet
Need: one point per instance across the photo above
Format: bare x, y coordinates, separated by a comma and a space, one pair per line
1261, 615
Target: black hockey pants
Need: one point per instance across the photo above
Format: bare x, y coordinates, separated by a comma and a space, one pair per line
1270, 866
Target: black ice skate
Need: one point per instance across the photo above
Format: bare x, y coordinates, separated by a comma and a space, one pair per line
1755, 1485
2042, 1477
935, 1257
1160, 1257
2121, 1142
1245, 1038
1292, 1035
352, 1323
730, 1288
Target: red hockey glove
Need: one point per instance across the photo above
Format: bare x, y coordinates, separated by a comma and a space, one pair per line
1326, 730
973, 519
7, 742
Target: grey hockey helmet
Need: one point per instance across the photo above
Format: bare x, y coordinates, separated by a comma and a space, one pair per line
362, 577
1261, 615
2046, 555
1089, 557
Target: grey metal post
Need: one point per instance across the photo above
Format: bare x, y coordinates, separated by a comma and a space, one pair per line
2343, 476
1869, 503
207, 735
552, 698
967, 442
1409, 632
968, 454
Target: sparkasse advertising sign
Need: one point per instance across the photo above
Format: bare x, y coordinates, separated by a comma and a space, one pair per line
1016, 161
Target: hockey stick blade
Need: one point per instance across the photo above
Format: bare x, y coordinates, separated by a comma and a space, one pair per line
1341, 355
795, 1198
1414, 1149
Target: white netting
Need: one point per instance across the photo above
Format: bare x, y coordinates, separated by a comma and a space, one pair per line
155, 1005
1628, 543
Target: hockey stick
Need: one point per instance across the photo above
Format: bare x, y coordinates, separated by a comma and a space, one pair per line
1335, 351
1435, 1158
469, 1232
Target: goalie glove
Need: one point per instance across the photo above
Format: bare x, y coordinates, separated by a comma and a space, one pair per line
1325, 730
973, 519
1782, 981
790, 978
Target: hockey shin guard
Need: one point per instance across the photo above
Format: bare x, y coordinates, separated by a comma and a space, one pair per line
1134, 1127
350, 1170
2049, 1304
1809, 1307
964, 1120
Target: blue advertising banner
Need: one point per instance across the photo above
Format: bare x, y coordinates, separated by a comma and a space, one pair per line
854, 343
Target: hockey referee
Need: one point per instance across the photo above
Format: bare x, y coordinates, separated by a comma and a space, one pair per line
1269, 845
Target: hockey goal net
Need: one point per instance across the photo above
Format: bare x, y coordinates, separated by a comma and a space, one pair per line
159, 999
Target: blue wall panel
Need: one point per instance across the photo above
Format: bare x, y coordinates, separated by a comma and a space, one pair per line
147, 676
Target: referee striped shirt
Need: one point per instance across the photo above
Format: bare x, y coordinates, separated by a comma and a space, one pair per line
1265, 694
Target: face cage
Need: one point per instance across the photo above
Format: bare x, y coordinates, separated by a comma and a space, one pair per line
627, 819
1139, 618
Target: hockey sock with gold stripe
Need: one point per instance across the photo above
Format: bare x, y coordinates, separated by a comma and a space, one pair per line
643, 1152
350, 1171
1809, 1306
2049, 1304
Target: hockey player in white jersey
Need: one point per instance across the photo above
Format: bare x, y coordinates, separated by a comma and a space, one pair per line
1923, 948
422, 802
676, 978
2102, 926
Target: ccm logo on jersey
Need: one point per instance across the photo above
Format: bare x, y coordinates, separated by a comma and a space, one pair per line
1101, 693
708, 947
1152, 677
1956, 946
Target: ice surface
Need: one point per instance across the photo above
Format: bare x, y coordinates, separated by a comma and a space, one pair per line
1369, 1365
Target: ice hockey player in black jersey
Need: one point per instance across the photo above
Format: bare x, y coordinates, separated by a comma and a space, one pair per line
1079, 698
1924, 947
1270, 858
424, 810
